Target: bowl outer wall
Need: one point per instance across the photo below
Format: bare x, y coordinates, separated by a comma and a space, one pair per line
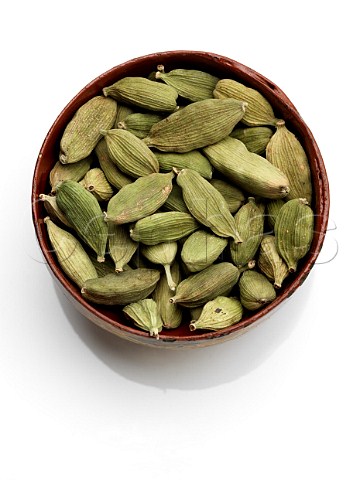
222, 67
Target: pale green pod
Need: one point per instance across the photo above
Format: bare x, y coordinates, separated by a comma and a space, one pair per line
255, 138
195, 312
140, 198
171, 314
175, 201
201, 249
215, 280
255, 290
258, 110
249, 171
145, 315
233, 196
114, 176
206, 204
294, 229
96, 183
272, 209
270, 262
82, 133
139, 124
162, 254
121, 246
194, 160
249, 222
193, 85
286, 152
217, 314
53, 210
123, 111
72, 171
144, 93
83, 211
121, 288
71, 255
129, 153
163, 227
196, 125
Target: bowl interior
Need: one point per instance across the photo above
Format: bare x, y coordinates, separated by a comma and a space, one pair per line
111, 317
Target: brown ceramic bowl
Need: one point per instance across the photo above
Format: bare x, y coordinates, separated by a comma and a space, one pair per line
111, 319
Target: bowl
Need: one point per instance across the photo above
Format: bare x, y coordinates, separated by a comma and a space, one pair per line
112, 319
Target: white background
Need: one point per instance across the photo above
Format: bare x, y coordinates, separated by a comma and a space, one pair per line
282, 401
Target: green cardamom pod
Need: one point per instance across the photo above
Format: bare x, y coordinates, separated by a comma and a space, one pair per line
71, 171
170, 313
139, 199
139, 124
53, 210
194, 312
249, 222
175, 201
215, 280
145, 314
193, 85
249, 171
294, 228
255, 290
196, 125
206, 204
201, 249
123, 111
286, 152
258, 110
83, 211
114, 176
121, 246
96, 183
121, 288
144, 93
217, 314
162, 254
233, 196
82, 133
272, 210
163, 227
194, 160
270, 262
129, 153
255, 138
71, 255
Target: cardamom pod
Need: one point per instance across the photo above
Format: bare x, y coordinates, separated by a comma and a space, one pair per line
194, 160
82, 133
114, 176
139, 124
233, 196
144, 93
193, 85
71, 256
170, 313
53, 210
145, 314
254, 138
248, 170
272, 210
71, 171
96, 183
201, 249
206, 204
294, 228
139, 199
215, 280
163, 254
129, 153
258, 111
194, 312
255, 290
83, 211
121, 246
123, 111
249, 222
163, 227
196, 125
217, 314
175, 201
286, 152
270, 262
121, 288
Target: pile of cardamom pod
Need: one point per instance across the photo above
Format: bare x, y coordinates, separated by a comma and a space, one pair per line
179, 197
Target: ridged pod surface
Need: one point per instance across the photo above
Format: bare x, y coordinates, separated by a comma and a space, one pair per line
121, 246
114, 176
254, 138
96, 183
219, 313
233, 196
145, 314
255, 290
72, 171
194, 160
270, 262
201, 249
171, 314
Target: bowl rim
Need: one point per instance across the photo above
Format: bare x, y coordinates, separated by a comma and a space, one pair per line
271, 91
